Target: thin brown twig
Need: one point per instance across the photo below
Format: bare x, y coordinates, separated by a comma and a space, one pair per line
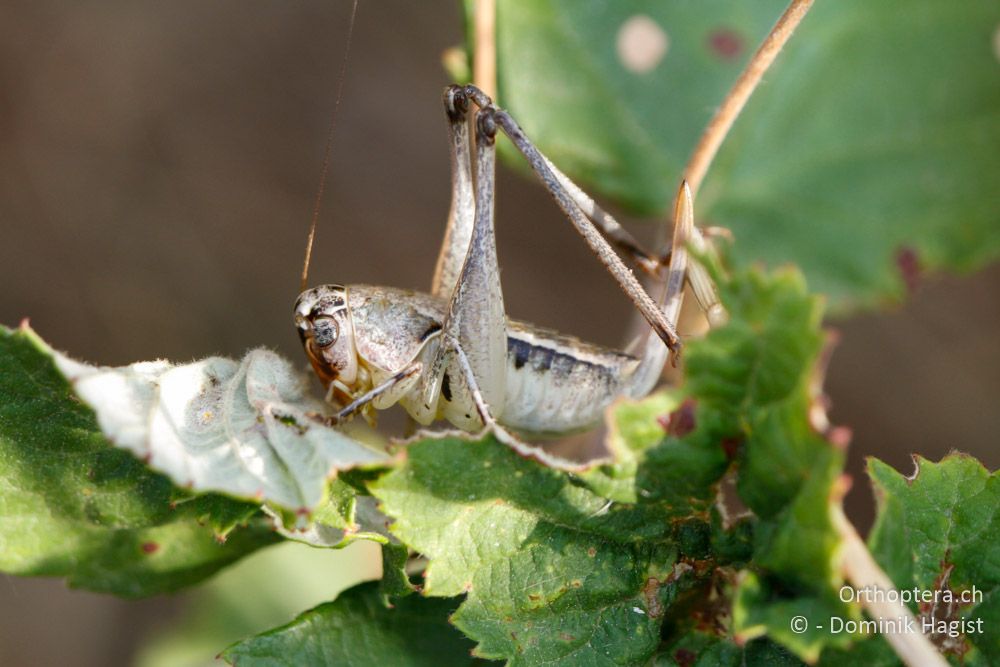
718, 127
484, 62
857, 564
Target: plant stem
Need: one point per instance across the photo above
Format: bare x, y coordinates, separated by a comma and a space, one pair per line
484, 61
863, 573
858, 566
725, 116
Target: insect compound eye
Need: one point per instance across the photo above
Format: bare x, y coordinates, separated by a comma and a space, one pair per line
325, 331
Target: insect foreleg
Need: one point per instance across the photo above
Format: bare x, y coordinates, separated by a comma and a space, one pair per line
383, 395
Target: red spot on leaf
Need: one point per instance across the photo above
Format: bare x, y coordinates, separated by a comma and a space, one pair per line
731, 446
681, 421
650, 591
908, 264
840, 436
150, 547
725, 43
944, 613
840, 487
684, 657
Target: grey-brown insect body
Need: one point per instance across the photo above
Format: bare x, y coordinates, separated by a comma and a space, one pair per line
453, 354
554, 383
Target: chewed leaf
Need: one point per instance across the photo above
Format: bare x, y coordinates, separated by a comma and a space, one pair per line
73, 506
936, 532
241, 428
343, 517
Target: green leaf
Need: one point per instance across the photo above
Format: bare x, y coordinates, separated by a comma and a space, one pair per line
757, 377
563, 568
871, 652
284, 579
554, 570
73, 506
864, 151
765, 606
240, 428
344, 516
395, 582
937, 531
357, 629
652, 464
702, 649
554, 573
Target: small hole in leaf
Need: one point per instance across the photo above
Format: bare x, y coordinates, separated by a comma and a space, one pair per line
642, 44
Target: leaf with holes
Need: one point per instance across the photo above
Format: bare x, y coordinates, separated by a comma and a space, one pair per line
936, 532
73, 506
243, 428
760, 377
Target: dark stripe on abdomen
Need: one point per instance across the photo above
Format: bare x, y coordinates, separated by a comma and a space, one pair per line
541, 359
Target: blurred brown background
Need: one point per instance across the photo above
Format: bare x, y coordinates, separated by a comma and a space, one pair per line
158, 163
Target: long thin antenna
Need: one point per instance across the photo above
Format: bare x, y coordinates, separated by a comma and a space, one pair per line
328, 151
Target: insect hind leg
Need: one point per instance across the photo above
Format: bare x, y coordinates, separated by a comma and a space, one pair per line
476, 323
461, 214
457, 100
664, 328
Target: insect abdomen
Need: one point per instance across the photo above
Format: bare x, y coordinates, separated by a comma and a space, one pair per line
557, 384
